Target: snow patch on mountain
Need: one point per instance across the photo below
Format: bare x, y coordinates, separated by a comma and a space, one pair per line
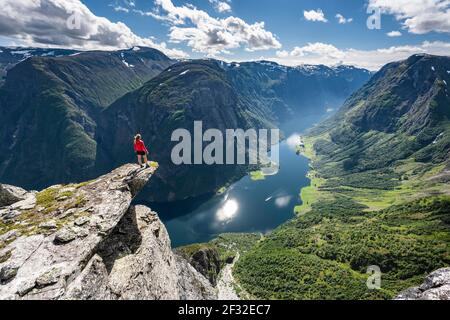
125, 62
48, 54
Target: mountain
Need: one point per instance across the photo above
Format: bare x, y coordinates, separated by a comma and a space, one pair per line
9, 57
379, 201
52, 101
185, 93
402, 112
50, 106
298, 91
223, 96
87, 242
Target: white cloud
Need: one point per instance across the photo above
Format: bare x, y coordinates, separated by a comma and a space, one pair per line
121, 9
394, 34
315, 15
342, 19
317, 49
44, 23
123, 5
221, 6
321, 53
418, 16
209, 35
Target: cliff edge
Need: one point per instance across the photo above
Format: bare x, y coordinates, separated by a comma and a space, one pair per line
86, 241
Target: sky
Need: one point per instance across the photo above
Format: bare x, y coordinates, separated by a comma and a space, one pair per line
364, 33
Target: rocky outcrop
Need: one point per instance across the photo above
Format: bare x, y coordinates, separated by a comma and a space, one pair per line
86, 241
207, 262
435, 287
10, 194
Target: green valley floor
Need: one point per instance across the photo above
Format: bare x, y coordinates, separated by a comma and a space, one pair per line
396, 218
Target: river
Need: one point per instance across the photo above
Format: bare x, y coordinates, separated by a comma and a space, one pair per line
247, 205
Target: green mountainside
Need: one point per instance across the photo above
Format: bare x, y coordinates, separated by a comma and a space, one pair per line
187, 92
52, 101
295, 91
379, 194
50, 106
223, 96
380, 168
9, 57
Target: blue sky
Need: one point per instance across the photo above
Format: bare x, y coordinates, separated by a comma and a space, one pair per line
287, 31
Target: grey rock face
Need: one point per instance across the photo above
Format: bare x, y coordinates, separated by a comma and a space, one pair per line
207, 262
9, 213
190, 281
435, 287
93, 245
64, 236
10, 194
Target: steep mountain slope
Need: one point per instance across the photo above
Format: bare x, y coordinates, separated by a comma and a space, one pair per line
403, 111
185, 93
298, 91
52, 100
9, 57
50, 106
379, 196
223, 96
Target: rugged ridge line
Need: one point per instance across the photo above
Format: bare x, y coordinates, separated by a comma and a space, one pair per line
87, 241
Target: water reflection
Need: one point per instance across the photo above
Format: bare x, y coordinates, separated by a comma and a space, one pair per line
283, 202
228, 211
293, 141
248, 205
271, 170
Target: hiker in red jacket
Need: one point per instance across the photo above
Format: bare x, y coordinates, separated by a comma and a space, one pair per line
141, 150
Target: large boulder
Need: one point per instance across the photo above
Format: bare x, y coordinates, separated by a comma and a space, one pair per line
10, 194
435, 287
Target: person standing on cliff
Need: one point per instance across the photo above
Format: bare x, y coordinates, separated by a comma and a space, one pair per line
141, 151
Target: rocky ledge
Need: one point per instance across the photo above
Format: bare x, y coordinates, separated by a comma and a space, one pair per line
86, 241
435, 287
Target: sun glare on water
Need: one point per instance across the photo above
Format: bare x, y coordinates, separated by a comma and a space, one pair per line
228, 211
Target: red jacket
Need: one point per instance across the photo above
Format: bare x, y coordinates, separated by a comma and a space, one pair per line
139, 146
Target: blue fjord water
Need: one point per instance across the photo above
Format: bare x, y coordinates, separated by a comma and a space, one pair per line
247, 205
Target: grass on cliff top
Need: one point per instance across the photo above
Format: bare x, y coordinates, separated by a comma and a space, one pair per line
226, 245
188, 251
48, 201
